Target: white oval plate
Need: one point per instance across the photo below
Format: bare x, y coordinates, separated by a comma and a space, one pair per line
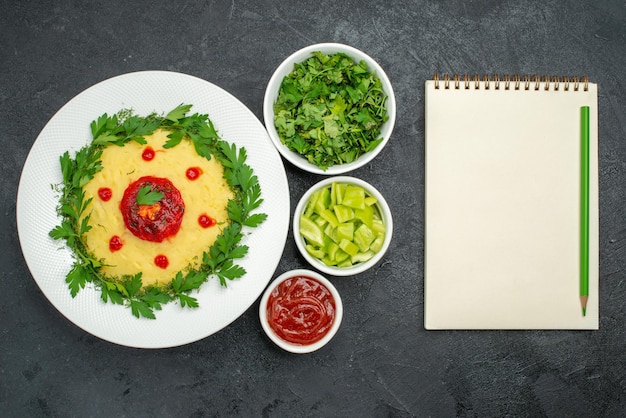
49, 261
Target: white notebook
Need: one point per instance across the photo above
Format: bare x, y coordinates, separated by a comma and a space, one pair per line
502, 239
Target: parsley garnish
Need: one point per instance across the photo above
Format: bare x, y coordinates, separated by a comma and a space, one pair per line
218, 260
147, 196
330, 109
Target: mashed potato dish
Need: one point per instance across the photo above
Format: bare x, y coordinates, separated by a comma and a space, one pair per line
160, 237
153, 207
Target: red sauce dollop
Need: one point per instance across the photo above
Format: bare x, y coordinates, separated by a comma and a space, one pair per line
206, 221
193, 173
161, 261
115, 243
153, 222
105, 194
147, 154
301, 310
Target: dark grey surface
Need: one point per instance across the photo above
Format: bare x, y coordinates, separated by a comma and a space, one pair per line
382, 362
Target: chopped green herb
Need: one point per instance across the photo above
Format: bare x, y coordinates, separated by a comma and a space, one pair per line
330, 109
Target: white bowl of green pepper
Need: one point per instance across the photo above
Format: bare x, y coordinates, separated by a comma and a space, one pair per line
329, 108
342, 226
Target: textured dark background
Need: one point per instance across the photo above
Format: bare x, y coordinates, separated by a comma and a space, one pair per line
382, 362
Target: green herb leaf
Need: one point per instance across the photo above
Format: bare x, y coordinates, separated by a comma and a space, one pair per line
109, 291
187, 301
77, 278
140, 309
255, 220
175, 138
136, 128
63, 231
104, 126
66, 166
191, 281
230, 271
147, 196
154, 297
178, 113
133, 284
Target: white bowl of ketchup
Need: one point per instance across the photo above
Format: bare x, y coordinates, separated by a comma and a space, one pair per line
301, 311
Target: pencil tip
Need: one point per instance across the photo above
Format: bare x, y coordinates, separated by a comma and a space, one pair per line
583, 302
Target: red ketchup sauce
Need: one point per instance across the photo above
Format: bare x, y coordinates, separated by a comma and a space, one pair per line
148, 154
115, 243
301, 310
161, 261
193, 173
105, 194
153, 222
206, 221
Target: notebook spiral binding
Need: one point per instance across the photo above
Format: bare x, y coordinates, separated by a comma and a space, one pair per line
506, 82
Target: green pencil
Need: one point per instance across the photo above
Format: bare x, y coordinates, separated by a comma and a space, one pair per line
584, 207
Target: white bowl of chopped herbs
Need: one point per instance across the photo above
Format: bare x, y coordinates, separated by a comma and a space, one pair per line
329, 108
342, 226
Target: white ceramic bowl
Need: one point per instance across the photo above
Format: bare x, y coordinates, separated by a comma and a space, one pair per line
383, 209
287, 66
298, 348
